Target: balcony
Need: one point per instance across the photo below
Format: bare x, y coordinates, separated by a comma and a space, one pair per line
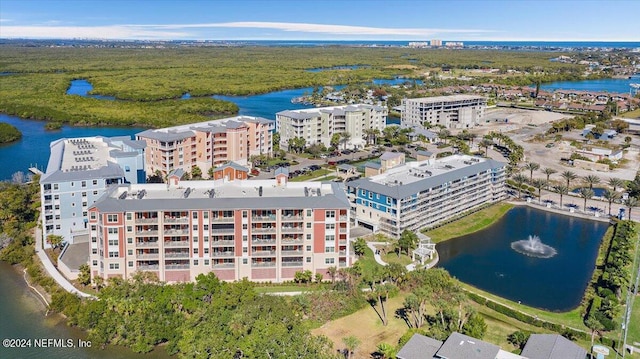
147, 244
223, 254
148, 256
342, 264
222, 219
263, 265
176, 231
271, 218
223, 230
263, 230
342, 218
147, 220
223, 243
342, 241
176, 244
292, 229
261, 241
292, 241
176, 220
146, 233
291, 218
343, 230
148, 267
292, 264
263, 253
223, 265
176, 266
176, 255
291, 253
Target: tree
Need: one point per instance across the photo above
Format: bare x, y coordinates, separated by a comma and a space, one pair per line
539, 183
518, 338
634, 186
344, 139
84, 277
275, 140
627, 140
359, 246
631, 202
332, 271
444, 134
303, 276
351, 343
486, 143
315, 149
568, 176
616, 183
378, 296
386, 351
475, 326
54, 240
196, 173
610, 196
586, 193
408, 241
562, 190
548, 172
595, 326
335, 140
591, 180
319, 277
520, 180
531, 166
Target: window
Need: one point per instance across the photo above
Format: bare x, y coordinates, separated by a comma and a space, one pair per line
308, 237
195, 239
73, 184
329, 260
93, 227
308, 259
330, 226
195, 251
308, 224
308, 213
112, 230
244, 238
113, 254
329, 249
245, 249
55, 186
309, 248
206, 250
84, 194
195, 262
129, 229
95, 182
195, 215
206, 227
130, 263
128, 216
205, 215
370, 195
244, 226
195, 227
244, 261
94, 263
84, 183
130, 252
94, 251
95, 193
388, 200
114, 266
130, 240
244, 214
331, 214
206, 239
206, 262
113, 242
56, 197
94, 239
111, 218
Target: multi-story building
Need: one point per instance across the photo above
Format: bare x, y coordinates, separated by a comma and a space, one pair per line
206, 144
262, 230
79, 171
318, 125
455, 111
424, 193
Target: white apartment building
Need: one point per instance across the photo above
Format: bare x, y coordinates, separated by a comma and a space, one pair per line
78, 173
262, 230
424, 193
456, 111
318, 125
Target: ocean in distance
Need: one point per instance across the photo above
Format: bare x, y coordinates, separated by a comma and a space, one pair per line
527, 44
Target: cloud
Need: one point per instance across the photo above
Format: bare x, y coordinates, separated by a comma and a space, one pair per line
199, 31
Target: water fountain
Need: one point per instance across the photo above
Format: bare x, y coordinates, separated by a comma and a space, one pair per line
533, 247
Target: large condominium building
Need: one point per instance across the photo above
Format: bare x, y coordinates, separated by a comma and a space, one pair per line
318, 125
206, 144
79, 171
424, 193
456, 111
262, 230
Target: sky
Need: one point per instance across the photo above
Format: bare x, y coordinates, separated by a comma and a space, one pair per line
402, 20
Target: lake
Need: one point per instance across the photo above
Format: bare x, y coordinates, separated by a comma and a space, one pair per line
486, 260
23, 316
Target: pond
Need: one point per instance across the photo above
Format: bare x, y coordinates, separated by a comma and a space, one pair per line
599, 85
82, 88
598, 191
486, 259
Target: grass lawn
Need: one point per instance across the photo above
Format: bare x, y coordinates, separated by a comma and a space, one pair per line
314, 174
631, 114
366, 326
393, 258
634, 324
469, 224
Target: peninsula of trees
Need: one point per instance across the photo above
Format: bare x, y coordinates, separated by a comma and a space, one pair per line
9, 133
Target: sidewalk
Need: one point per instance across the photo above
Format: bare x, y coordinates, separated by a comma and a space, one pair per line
51, 269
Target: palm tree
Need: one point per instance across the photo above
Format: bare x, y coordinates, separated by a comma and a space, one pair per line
444, 134
351, 343
586, 193
548, 171
610, 196
630, 203
531, 166
562, 190
486, 143
591, 180
539, 183
569, 176
519, 179
615, 183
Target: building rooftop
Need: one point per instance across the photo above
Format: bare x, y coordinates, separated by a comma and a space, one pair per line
222, 194
87, 158
460, 346
552, 346
185, 131
419, 347
336, 110
446, 98
414, 177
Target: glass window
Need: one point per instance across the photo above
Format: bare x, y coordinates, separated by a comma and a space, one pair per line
329, 260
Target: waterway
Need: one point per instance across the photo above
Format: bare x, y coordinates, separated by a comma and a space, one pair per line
486, 260
23, 317
601, 85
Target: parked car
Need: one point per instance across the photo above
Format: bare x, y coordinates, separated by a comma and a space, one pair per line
314, 167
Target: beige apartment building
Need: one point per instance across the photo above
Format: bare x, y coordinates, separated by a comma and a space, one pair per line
206, 144
262, 230
318, 125
456, 111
